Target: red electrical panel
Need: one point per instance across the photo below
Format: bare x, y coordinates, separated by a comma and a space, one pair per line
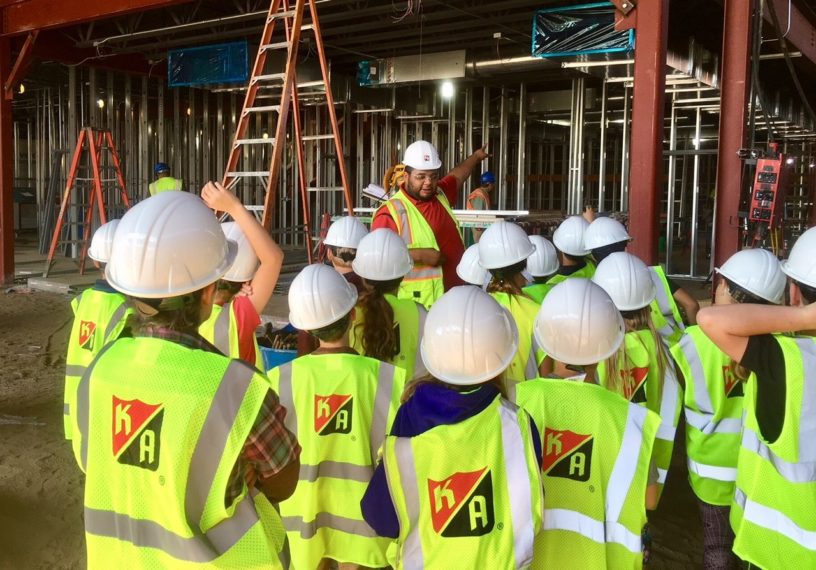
768, 197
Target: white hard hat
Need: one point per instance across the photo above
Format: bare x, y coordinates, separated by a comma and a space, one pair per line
504, 244
468, 338
604, 231
578, 323
627, 280
345, 232
469, 269
246, 261
102, 241
801, 263
569, 236
382, 256
318, 297
544, 261
757, 271
422, 155
168, 245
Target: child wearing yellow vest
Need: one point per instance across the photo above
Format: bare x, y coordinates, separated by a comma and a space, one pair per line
460, 483
247, 287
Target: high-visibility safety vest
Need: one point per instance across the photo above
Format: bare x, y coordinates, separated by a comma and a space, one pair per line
341, 407
409, 323
159, 429
164, 184
586, 272
529, 355
596, 450
713, 406
538, 291
221, 329
424, 283
99, 317
477, 194
773, 514
665, 314
467, 495
641, 384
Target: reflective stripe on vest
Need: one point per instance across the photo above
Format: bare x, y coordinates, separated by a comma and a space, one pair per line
706, 424
804, 472
519, 494
669, 404
204, 463
308, 530
382, 401
664, 303
597, 531
774, 521
221, 335
115, 320
712, 471
419, 365
422, 272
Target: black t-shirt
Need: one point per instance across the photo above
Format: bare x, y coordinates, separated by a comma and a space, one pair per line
763, 356
673, 287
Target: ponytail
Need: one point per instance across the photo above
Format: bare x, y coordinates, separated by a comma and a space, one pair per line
377, 330
502, 279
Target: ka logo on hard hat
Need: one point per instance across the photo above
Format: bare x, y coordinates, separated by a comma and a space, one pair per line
462, 504
86, 334
137, 433
332, 414
732, 384
634, 384
567, 454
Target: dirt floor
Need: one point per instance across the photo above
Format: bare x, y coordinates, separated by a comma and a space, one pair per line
41, 487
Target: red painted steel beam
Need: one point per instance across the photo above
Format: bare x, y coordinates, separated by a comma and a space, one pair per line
6, 174
20, 66
802, 31
735, 86
30, 15
646, 149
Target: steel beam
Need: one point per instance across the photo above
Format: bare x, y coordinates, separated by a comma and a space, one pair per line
646, 151
30, 15
6, 174
802, 32
735, 88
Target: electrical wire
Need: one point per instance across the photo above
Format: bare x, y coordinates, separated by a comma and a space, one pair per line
786, 52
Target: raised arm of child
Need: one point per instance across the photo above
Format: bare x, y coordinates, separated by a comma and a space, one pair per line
269, 253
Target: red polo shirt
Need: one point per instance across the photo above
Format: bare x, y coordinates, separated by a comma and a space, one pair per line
443, 226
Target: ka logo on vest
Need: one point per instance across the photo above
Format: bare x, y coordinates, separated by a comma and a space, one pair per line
332, 414
137, 433
567, 454
462, 504
634, 384
86, 334
732, 384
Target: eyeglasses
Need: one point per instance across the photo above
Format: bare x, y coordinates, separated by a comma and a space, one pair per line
423, 177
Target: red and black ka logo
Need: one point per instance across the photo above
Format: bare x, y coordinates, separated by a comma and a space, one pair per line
733, 385
137, 433
87, 334
567, 454
462, 504
332, 414
634, 384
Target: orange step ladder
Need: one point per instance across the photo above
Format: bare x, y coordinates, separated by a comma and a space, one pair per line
90, 144
263, 86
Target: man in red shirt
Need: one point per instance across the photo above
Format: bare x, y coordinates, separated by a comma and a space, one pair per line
421, 187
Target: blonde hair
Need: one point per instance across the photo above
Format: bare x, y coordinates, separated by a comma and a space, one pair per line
634, 321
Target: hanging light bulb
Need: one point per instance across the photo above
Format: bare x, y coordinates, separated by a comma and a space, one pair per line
22, 89
446, 90
100, 103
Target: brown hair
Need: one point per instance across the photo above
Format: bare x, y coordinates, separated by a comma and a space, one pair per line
181, 314
377, 329
334, 331
502, 279
640, 319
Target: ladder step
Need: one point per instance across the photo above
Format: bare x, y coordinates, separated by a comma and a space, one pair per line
269, 77
276, 45
262, 109
317, 137
326, 189
234, 174
255, 141
280, 15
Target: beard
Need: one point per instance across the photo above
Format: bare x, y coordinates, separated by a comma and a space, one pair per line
416, 192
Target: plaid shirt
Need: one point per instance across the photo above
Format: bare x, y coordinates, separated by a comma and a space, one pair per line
269, 446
